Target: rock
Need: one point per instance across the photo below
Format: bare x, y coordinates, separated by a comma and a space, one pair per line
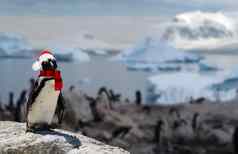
77, 109
79, 104
14, 140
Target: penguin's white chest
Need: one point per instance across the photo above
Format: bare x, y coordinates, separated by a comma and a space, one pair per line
43, 109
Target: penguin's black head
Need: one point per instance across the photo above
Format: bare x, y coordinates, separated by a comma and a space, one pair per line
50, 64
45, 61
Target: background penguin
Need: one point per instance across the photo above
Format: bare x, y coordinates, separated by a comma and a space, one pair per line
45, 99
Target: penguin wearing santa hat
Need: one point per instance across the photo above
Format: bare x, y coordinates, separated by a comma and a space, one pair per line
45, 99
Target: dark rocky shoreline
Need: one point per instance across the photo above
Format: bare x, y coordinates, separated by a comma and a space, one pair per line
191, 128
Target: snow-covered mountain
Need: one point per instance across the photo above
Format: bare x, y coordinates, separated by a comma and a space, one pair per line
202, 30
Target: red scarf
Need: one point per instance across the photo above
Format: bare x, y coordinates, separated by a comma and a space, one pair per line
56, 75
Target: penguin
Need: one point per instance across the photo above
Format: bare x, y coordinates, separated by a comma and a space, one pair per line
45, 99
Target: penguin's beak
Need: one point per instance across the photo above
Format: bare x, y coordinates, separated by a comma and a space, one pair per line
36, 66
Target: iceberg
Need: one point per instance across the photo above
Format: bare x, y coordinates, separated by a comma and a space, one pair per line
205, 67
70, 54
152, 54
153, 51
230, 82
154, 67
14, 46
141, 67
100, 52
97, 52
184, 86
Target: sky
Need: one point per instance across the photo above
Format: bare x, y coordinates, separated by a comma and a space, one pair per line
111, 7
117, 22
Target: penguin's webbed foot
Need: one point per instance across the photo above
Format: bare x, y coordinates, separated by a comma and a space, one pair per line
38, 128
45, 127
30, 130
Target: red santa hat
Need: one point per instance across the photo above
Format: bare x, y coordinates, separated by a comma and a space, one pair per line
44, 55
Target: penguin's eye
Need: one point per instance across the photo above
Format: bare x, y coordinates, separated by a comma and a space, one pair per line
52, 63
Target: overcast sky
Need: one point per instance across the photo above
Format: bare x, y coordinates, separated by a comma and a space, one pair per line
135, 18
112, 7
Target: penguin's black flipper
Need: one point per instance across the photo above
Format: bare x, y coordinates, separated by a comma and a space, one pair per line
60, 108
32, 96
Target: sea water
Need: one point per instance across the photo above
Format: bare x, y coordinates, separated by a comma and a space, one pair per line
90, 76
87, 76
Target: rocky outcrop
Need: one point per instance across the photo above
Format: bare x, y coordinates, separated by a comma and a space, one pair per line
14, 140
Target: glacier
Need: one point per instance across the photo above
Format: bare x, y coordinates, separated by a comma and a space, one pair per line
186, 86
155, 55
